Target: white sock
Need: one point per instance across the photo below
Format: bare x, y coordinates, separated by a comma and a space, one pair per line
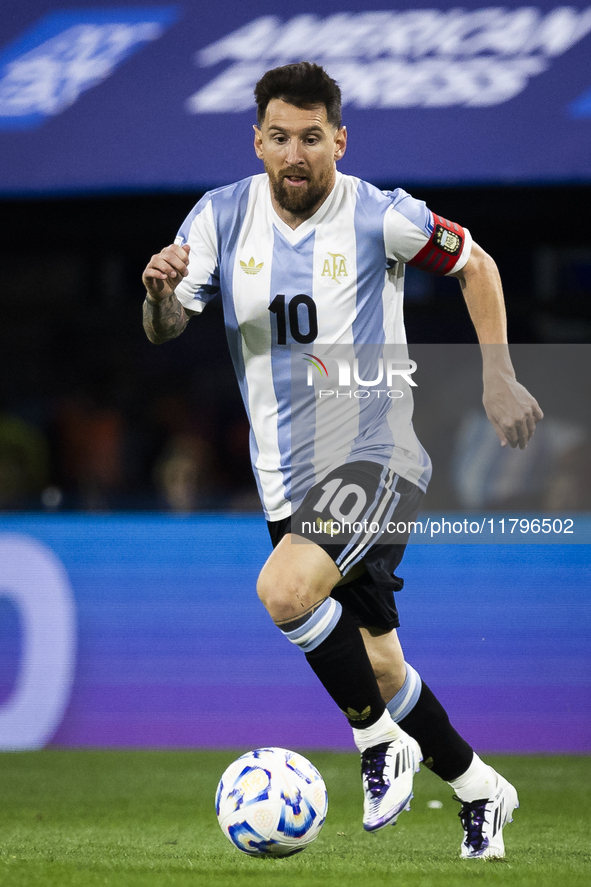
384, 730
479, 781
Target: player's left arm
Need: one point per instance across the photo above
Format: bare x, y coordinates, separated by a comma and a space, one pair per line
511, 409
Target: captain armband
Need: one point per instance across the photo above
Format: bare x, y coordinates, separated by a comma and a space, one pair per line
443, 249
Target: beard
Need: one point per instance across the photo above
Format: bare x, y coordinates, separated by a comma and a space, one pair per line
304, 198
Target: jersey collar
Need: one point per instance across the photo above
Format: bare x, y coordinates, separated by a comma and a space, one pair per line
294, 236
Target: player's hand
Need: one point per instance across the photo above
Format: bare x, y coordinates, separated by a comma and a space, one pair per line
512, 411
166, 270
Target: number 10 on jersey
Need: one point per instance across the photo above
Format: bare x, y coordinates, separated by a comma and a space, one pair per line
301, 313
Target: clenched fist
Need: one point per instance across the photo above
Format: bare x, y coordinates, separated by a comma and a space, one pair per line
166, 270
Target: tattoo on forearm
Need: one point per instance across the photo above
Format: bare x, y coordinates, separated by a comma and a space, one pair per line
164, 320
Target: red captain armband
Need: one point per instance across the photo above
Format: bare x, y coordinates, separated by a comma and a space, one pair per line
443, 249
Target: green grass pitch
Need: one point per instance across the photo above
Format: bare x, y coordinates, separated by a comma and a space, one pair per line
146, 818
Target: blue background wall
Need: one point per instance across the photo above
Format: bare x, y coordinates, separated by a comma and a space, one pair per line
169, 645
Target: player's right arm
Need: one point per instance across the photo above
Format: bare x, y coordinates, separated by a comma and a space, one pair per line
164, 316
183, 277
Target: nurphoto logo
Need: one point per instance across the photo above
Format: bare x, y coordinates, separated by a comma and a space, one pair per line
387, 371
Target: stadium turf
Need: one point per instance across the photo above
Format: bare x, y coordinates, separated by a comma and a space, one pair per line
145, 819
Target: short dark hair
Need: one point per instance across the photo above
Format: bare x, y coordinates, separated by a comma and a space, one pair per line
300, 84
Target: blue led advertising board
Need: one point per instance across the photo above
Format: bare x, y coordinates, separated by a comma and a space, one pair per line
123, 630
136, 96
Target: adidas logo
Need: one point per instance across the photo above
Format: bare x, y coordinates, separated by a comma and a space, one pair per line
328, 526
402, 762
356, 715
499, 817
251, 268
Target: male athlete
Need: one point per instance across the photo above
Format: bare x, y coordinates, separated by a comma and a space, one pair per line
263, 243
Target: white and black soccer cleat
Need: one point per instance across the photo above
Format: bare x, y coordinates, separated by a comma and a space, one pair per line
484, 821
387, 771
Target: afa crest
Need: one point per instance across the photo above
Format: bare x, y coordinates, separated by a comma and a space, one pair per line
335, 267
448, 240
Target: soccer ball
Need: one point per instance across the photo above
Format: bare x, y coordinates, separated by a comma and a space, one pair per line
271, 802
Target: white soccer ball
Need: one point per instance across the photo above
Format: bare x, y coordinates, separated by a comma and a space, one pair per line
271, 802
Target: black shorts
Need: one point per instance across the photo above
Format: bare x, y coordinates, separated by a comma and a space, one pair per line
359, 514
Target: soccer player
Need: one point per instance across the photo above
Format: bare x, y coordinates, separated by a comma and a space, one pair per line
307, 259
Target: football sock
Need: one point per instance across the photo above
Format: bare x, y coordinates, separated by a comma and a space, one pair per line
384, 730
420, 714
478, 782
408, 695
336, 653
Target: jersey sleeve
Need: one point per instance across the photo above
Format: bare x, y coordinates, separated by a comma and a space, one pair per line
418, 237
202, 283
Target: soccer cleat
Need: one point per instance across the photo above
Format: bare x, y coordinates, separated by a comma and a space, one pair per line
387, 771
484, 821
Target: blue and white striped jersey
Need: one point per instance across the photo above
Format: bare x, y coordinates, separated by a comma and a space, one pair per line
290, 296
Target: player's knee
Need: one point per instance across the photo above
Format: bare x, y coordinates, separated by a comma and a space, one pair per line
276, 598
264, 591
274, 595
282, 597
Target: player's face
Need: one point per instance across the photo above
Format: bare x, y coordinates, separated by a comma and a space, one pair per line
299, 148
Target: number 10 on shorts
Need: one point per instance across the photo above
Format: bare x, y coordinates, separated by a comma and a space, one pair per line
335, 496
